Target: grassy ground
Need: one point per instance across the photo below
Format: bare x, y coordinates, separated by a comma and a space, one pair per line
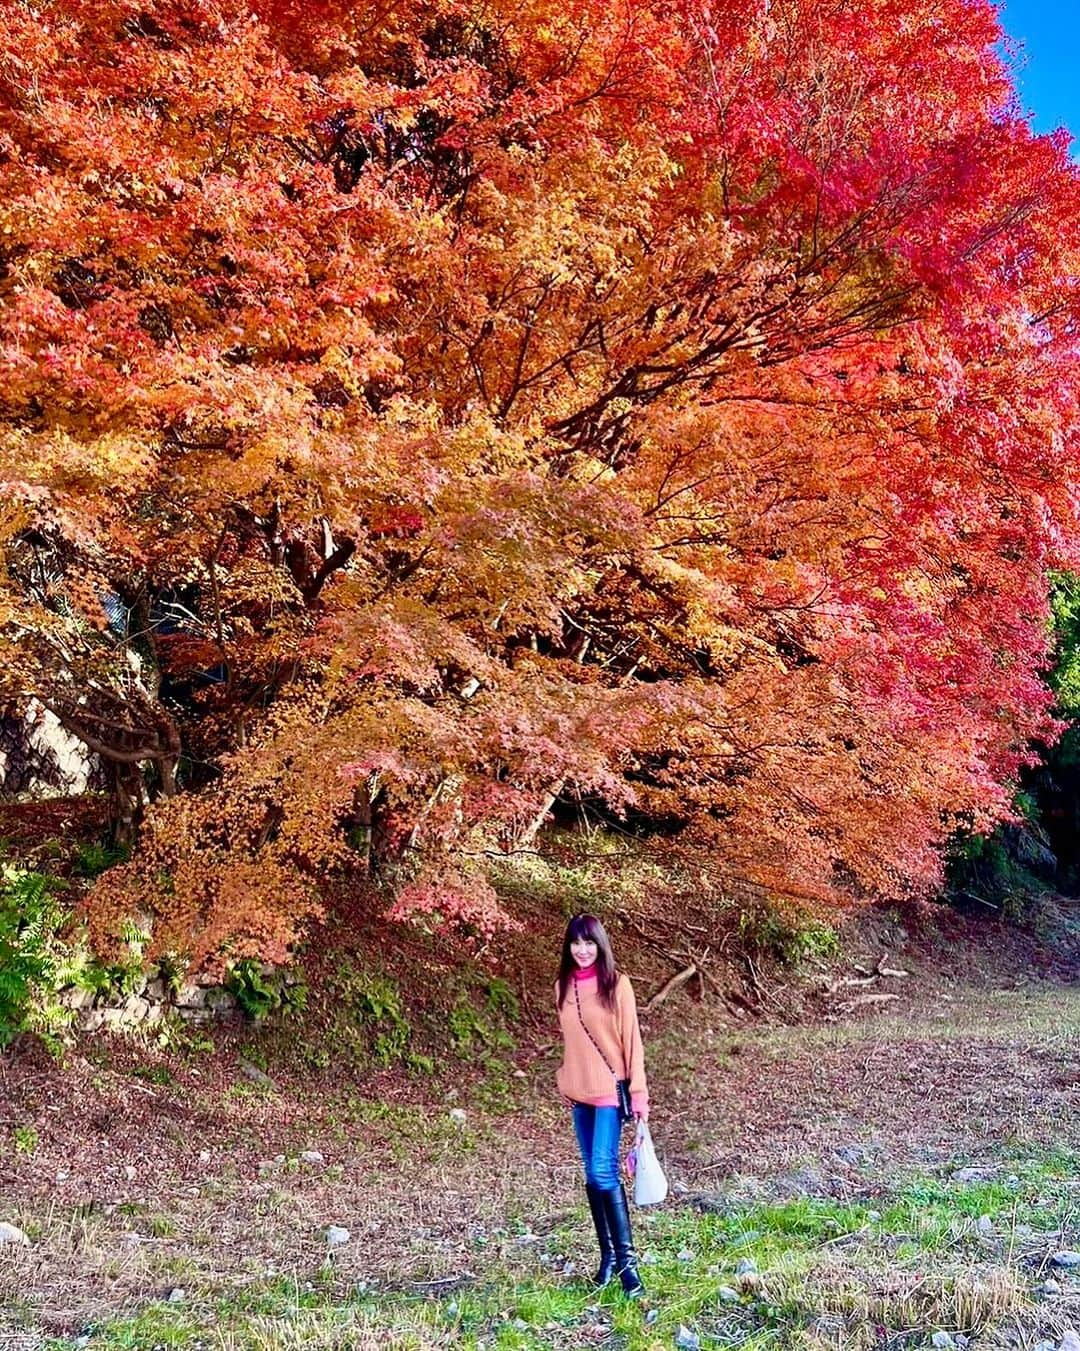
164, 1186
827, 1155
935, 1253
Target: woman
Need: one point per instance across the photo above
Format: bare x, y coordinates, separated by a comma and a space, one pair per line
601, 1044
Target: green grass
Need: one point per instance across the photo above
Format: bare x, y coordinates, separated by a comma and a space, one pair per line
25, 1140
829, 1273
162, 1326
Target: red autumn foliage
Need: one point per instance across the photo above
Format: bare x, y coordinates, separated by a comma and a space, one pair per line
472, 406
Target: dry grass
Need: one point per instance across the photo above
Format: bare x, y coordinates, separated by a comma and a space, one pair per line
748, 1111
860, 1290
764, 1123
354, 1330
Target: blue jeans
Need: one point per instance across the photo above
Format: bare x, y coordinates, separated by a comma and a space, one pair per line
598, 1130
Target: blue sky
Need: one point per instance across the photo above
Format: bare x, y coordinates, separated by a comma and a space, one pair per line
1049, 76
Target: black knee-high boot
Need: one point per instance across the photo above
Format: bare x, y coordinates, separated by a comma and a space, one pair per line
606, 1269
617, 1213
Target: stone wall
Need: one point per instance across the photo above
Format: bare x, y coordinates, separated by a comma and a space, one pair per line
146, 1005
152, 998
39, 758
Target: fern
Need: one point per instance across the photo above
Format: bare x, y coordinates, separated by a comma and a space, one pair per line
30, 951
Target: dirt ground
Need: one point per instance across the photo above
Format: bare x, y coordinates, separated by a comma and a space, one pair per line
136, 1170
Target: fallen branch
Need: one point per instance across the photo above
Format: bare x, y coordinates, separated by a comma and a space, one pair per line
525, 1002
680, 978
863, 999
979, 900
708, 980
883, 970
759, 989
444, 1284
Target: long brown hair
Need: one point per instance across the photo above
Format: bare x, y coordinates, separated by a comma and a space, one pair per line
589, 928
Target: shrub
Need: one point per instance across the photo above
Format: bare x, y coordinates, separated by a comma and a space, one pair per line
92, 859
787, 933
471, 1028
260, 990
378, 1004
33, 961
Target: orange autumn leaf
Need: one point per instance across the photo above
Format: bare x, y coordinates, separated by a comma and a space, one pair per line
417, 417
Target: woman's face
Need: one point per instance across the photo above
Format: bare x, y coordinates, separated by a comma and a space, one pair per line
583, 951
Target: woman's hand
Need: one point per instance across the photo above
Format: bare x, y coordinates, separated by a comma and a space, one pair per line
641, 1114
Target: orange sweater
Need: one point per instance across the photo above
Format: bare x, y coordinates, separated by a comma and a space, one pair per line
583, 1076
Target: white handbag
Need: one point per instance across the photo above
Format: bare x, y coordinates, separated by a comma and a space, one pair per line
650, 1184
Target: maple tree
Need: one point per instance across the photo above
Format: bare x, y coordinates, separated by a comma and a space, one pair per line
420, 413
